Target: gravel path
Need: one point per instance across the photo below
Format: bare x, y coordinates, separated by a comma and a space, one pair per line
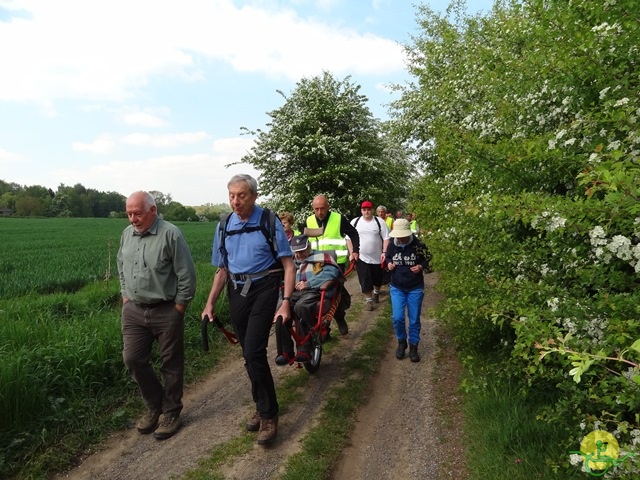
409, 428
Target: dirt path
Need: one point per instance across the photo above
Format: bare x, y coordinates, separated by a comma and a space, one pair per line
408, 429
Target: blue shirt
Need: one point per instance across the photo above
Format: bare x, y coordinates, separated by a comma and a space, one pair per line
249, 252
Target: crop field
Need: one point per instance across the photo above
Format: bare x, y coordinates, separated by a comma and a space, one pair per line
61, 365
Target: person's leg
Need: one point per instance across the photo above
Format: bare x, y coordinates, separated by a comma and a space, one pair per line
138, 341
414, 309
376, 280
168, 327
306, 310
366, 285
262, 298
398, 306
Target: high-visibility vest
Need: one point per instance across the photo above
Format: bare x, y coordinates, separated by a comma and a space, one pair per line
389, 222
331, 239
414, 226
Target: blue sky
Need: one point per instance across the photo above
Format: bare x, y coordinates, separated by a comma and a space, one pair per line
132, 95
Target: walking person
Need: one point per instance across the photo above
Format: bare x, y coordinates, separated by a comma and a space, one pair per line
157, 282
374, 238
407, 258
335, 230
253, 265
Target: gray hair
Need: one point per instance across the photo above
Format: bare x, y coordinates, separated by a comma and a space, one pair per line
149, 200
243, 177
381, 207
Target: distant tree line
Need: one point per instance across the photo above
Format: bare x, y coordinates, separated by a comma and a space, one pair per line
79, 201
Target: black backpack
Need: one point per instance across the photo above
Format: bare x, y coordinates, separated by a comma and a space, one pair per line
267, 226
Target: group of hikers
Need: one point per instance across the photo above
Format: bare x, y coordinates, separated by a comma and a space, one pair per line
267, 269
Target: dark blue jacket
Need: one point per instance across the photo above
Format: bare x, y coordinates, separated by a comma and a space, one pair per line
404, 257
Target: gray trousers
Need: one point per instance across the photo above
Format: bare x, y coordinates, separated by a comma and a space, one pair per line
140, 328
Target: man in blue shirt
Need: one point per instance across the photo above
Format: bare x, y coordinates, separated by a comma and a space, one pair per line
253, 275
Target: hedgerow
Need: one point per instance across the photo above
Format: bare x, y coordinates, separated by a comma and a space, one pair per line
525, 124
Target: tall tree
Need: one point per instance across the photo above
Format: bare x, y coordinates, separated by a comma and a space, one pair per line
324, 139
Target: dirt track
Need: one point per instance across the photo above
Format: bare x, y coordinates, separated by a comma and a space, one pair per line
408, 429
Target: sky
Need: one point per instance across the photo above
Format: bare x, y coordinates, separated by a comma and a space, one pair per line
127, 95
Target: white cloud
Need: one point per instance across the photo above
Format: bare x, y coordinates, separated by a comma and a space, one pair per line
165, 140
107, 51
7, 159
101, 145
143, 119
190, 179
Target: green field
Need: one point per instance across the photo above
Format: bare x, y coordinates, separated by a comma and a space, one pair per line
62, 379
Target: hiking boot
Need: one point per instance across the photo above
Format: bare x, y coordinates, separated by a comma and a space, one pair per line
369, 306
342, 326
169, 425
413, 353
402, 347
284, 359
149, 421
253, 424
268, 430
376, 297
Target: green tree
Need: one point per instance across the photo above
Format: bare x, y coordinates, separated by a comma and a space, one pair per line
525, 122
324, 139
28, 206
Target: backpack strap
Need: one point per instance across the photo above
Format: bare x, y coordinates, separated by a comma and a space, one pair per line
355, 224
267, 227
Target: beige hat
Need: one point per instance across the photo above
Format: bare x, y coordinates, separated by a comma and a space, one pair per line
401, 228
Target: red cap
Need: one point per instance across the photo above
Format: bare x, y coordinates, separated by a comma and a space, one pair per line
366, 204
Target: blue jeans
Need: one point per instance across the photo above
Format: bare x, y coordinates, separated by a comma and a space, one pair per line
411, 302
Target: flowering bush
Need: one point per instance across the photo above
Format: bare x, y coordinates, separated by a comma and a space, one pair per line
525, 121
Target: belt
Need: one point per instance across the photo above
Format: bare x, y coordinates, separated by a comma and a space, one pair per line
247, 278
154, 305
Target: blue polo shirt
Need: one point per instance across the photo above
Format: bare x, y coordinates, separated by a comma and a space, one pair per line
249, 252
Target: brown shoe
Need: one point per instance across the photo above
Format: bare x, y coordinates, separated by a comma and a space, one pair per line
149, 421
169, 425
268, 430
253, 424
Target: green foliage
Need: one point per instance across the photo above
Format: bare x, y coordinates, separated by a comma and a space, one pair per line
325, 140
528, 137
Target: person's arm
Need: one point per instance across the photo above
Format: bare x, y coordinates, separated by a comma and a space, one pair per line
185, 272
346, 229
284, 310
219, 282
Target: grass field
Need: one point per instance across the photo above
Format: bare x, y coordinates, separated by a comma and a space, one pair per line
61, 369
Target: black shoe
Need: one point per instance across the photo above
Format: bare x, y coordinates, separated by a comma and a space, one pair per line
413, 353
342, 326
302, 357
284, 359
402, 347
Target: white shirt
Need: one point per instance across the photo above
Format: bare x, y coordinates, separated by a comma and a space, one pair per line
371, 238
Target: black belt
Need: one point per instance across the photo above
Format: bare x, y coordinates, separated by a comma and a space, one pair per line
154, 305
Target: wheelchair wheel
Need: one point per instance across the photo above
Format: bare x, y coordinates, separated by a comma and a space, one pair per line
316, 353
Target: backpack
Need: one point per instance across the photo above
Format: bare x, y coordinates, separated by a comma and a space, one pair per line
267, 226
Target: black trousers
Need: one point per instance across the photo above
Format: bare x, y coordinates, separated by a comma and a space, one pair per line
252, 317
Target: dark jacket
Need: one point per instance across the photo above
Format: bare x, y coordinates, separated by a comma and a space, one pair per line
404, 257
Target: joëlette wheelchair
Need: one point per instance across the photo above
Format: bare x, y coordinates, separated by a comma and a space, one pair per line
331, 296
